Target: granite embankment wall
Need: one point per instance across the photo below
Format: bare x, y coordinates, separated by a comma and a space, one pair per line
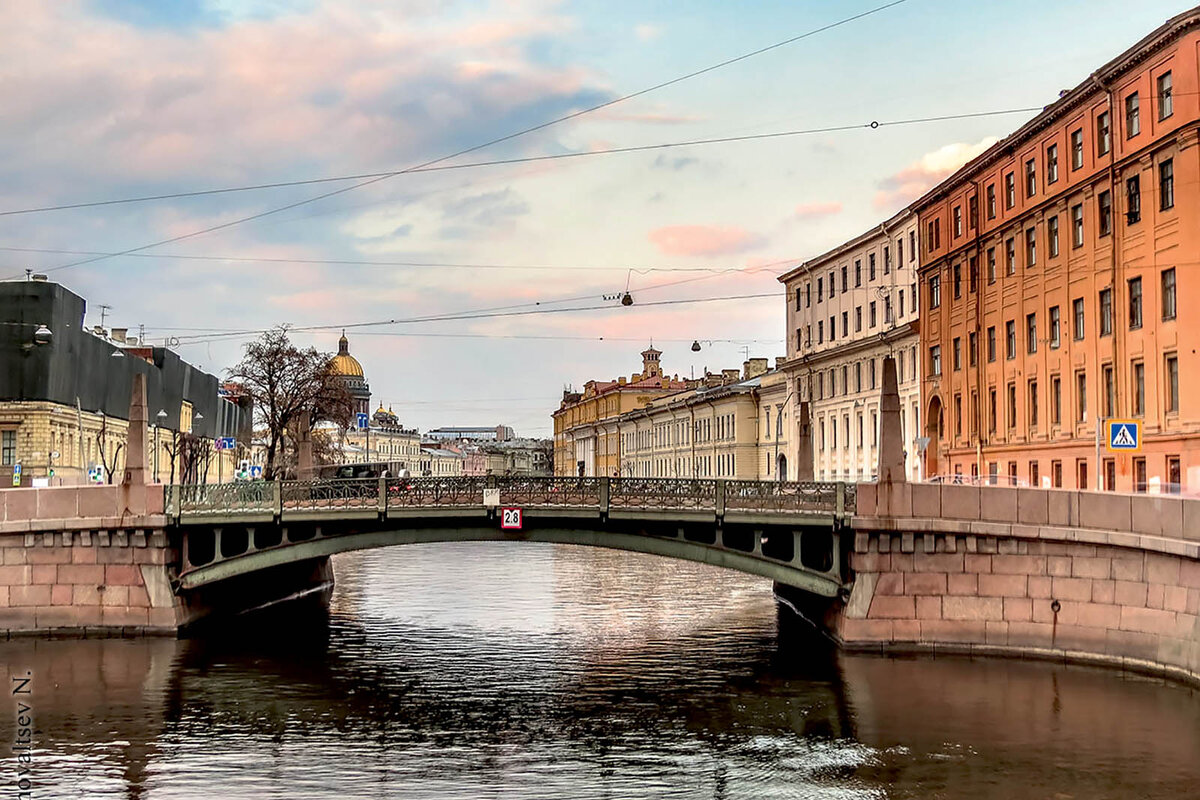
1080, 576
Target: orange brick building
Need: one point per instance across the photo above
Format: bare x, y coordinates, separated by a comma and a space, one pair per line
1057, 269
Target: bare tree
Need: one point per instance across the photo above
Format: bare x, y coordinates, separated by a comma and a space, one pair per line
109, 464
284, 381
173, 445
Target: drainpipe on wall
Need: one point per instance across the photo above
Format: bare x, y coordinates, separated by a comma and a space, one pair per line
1117, 305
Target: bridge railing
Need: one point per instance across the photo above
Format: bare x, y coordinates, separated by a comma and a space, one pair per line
602, 494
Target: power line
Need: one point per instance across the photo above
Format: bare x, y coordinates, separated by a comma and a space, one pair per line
491, 142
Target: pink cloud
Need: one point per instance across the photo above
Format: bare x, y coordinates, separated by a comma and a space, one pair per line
815, 210
703, 240
923, 174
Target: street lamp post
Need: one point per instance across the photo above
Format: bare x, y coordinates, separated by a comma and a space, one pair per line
161, 417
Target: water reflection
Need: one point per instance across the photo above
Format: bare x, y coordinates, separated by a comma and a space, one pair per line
525, 671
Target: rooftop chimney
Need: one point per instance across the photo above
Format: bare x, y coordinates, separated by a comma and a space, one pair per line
118, 335
755, 367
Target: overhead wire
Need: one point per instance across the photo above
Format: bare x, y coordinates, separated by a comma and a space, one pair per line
490, 142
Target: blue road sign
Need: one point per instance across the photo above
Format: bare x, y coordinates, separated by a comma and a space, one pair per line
225, 443
255, 472
363, 420
1124, 435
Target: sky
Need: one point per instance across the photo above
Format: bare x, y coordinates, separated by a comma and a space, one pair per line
112, 99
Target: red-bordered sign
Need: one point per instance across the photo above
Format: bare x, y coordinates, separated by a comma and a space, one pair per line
510, 519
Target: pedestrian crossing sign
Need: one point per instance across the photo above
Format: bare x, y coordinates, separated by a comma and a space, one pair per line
1124, 435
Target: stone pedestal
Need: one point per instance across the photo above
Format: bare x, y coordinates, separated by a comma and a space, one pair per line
890, 469
804, 454
304, 448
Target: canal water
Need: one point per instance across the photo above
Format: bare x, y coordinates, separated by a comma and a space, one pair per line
530, 671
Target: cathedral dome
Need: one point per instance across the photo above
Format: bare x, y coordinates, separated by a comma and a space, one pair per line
345, 364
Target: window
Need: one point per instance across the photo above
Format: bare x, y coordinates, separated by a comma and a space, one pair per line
1052, 164
1133, 199
958, 226
972, 212
1139, 474
8, 448
957, 353
1077, 225
991, 343
1010, 190
972, 348
1166, 184
887, 310
991, 265
1030, 178
1105, 312
1110, 391
1056, 474
858, 376
871, 267
1105, 207
820, 332
1110, 474
871, 370
912, 245
871, 315
1010, 340
1012, 405
1077, 149
1055, 400
845, 324
935, 360
1034, 478
974, 270
991, 201
1010, 257
1139, 388
845, 284
799, 339
1054, 328
992, 410
1103, 134
1168, 294
1031, 333
935, 291
1030, 247
799, 294
1052, 235
957, 281
857, 319
1135, 303
958, 415
832, 286
900, 252
1033, 404
820, 289
857, 274
902, 302
1174, 476
845, 382
1077, 309
1165, 106
1171, 375
1081, 396
808, 295
1133, 122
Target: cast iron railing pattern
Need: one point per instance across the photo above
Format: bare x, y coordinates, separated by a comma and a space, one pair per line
602, 494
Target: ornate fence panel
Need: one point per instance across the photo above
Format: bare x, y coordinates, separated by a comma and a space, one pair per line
553, 492
345, 493
436, 492
780, 496
199, 500
662, 493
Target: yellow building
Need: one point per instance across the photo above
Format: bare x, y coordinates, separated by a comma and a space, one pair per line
587, 441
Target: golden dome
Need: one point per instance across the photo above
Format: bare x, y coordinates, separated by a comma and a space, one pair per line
345, 364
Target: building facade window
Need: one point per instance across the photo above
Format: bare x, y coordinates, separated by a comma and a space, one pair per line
845, 279
857, 319
1052, 235
1081, 396
1030, 247
958, 222
992, 410
1105, 312
1055, 325
956, 353
1077, 149
1103, 134
1171, 382
1166, 184
957, 270
935, 360
1110, 391
1168, 293
871, 315
1010, 257
1133, 199
935, 291
870, 266
8, 448
857, 274
1166, 104
1010, 190
1133, 122
972, 348
991, 201
1010, 340
973, 269
1055, 400
1052, 164
1077, 313
1135, 303
1104, 205
1030, 178
1012, 405
1139, 388
991, 265
1077, 225
991, 343
1031, 332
